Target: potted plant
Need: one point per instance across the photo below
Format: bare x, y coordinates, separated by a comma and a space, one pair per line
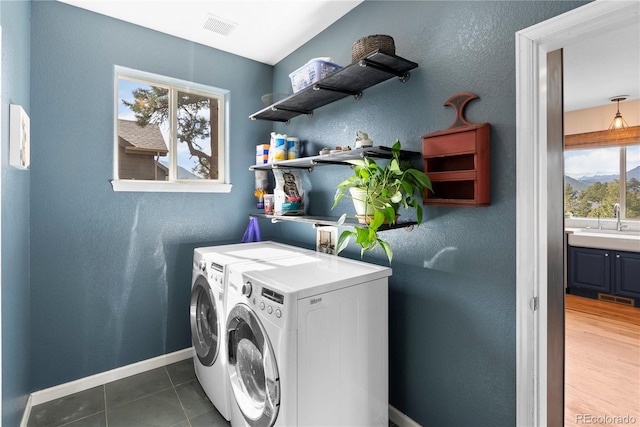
378, 193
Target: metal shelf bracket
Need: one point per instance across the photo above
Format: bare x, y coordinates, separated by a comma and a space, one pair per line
405, 77
293, 110
355, 93
365, 62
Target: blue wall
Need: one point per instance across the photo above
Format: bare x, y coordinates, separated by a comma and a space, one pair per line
111, 272
15, 21
452, 294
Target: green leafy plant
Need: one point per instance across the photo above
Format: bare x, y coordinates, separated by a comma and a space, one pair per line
384, 191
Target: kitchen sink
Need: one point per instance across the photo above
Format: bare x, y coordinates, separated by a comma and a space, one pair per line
624, 240
595, 230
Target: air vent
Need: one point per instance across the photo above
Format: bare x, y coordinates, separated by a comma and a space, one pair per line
617, 300
219, 25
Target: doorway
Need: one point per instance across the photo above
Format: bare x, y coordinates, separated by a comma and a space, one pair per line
602, 334
536, 308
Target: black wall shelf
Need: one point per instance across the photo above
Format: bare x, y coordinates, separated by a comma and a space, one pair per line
337, 158
374, 68
319, 221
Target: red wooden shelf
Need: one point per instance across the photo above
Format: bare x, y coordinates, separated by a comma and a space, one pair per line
457, 160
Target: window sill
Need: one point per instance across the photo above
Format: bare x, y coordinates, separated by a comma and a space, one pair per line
170, 187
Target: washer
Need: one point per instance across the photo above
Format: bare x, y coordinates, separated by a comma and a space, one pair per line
208, 310
307, 342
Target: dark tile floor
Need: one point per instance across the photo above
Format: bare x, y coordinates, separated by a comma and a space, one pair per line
164, 397
170, 396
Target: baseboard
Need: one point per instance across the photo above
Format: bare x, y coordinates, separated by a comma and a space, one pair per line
27, 413
102, 378
401, 419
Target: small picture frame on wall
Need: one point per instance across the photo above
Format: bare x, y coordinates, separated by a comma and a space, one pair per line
326, 239
19, 138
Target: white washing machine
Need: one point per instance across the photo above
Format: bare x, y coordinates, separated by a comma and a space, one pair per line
208, 310
307, 342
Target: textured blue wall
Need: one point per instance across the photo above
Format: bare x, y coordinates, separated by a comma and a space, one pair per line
15, 22
452, 294
111, 272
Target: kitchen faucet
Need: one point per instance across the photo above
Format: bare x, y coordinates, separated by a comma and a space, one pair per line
616, 214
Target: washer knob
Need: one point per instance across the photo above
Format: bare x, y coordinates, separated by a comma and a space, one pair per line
246, 289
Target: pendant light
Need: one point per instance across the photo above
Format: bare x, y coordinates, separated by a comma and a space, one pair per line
618, 122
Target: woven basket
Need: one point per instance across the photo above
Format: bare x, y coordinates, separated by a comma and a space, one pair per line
368, 44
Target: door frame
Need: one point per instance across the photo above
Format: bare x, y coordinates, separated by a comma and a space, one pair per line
532, 198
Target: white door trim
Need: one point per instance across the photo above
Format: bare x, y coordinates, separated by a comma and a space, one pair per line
532, 45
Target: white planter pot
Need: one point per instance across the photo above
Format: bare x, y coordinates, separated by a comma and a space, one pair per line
364, 211
359, 196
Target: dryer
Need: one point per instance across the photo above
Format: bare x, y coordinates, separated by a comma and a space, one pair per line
208, 310
307, 342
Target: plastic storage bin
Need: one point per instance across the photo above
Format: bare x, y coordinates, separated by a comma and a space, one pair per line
311, 72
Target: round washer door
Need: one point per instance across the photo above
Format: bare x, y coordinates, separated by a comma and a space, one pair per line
252, 367
205, 323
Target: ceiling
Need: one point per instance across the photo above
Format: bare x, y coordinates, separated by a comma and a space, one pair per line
599, 68
596, 69
263, 30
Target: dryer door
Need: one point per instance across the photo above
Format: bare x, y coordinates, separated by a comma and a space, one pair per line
205, 322
252, 367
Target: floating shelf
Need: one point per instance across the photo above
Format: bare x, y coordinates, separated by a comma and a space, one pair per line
351, 80
319, 221
335, 158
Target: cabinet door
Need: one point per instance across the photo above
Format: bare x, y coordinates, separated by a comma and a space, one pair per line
589, 269
627, 274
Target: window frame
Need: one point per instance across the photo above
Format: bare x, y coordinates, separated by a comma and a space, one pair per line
621, 139
222, 184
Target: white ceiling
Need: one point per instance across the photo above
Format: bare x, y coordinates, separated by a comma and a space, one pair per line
600, 68
596, 69
263, 30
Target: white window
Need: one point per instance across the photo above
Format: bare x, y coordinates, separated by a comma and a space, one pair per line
592, 182
170, 135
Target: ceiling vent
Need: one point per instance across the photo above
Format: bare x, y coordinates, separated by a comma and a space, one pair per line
219, 25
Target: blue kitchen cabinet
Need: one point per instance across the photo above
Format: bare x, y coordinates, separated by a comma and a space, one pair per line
594, 271
589, 269
627, 274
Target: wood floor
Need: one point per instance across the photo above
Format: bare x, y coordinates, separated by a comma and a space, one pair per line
602, 363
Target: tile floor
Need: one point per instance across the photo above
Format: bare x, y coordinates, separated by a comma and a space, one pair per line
170, 396
164, 397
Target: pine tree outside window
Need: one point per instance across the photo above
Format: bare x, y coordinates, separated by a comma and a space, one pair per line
592, 182
170, 135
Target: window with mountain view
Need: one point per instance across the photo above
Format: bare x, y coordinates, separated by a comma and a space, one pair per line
592, 182
168, 131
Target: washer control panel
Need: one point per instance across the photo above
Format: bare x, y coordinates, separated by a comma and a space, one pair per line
214, 273
264, 299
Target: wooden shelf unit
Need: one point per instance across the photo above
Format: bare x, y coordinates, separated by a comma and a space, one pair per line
457, 160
